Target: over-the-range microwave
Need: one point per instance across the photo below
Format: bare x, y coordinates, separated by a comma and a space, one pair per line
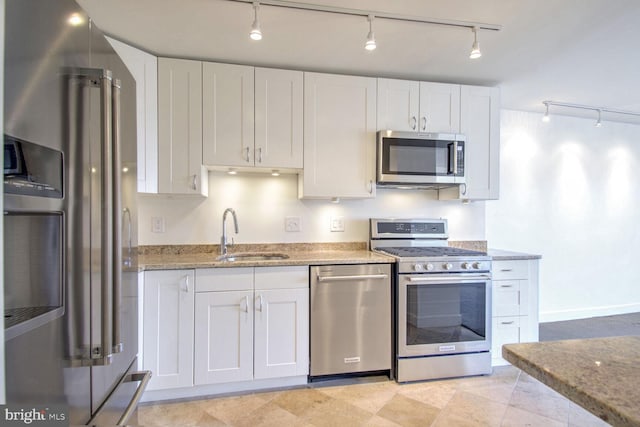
420, 160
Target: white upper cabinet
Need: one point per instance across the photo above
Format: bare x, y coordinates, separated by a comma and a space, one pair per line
480, 123
227, 111
278, 118
412, 106
180, 127
439, 107
144, 69
339, 136
252, 117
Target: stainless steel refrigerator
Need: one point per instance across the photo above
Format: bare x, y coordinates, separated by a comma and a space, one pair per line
71, 291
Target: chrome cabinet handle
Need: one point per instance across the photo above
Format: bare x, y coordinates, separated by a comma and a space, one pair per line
424, 123
414, 122
194, 182
371, 186
507, 323
246, 157
246, 304
260, 155
506, 270
260, 300
185, 288
506, 286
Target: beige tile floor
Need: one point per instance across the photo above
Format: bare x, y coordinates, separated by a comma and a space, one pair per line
508, 397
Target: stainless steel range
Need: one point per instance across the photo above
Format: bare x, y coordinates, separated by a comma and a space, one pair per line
443, 300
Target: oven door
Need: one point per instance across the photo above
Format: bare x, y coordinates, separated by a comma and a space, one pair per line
443, 314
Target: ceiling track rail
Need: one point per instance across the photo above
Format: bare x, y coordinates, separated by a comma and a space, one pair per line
591, 107
377, 14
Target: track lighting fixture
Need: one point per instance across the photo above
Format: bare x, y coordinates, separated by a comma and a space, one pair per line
475, 47
255, 33
275, 172
371, 40
599, 110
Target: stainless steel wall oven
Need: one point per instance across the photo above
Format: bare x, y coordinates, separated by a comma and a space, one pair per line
443, 310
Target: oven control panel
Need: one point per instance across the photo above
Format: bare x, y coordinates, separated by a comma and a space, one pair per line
445, 266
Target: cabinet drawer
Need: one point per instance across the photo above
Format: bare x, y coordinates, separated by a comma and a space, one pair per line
506, 330
509, 270
296, 277
506, 297
224, 279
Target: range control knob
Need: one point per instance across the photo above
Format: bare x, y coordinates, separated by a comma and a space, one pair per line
429, 267
418, 267
465, 266
476, 265
447, 266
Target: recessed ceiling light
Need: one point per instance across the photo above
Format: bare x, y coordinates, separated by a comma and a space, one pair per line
75, 19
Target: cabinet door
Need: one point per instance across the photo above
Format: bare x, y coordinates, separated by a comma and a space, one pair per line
227, 114
281, 333
506, 330
168, 328
506, 297
480, 122
180, 127
339, 136
398, 105
439, 107
144, 68
278, 118
223, 337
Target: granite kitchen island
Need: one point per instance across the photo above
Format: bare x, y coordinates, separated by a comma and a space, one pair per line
600, 374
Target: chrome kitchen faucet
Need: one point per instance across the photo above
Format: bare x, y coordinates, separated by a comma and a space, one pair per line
223, 239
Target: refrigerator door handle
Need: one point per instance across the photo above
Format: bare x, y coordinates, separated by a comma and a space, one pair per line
143, 377
116, 217
102, 355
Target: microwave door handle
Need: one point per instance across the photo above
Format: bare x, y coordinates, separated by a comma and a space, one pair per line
451, 157
455, 157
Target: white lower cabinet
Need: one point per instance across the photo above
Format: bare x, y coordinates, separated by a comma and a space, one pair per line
515, 304
251, 323
167, 321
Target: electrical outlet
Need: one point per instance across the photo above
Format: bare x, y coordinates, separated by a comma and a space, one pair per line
292, 224
157, 224
337, 223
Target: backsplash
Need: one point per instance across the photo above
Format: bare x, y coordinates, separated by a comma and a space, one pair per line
262, 202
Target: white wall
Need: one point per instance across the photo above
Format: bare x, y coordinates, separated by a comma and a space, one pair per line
262, 202
569, 191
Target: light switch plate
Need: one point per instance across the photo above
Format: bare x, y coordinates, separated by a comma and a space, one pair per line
292, 224
157, 224
337, 223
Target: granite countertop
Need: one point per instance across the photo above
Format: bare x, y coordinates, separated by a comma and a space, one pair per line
503, 255
600, 374
204, 256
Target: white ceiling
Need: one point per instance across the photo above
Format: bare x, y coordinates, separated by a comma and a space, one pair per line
576, 51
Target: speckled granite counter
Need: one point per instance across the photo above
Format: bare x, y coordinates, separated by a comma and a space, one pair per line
502, 255
600, 374
204, 256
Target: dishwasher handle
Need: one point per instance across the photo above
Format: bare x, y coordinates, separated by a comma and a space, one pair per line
352, 277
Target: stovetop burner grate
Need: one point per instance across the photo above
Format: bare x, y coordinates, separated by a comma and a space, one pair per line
429, 251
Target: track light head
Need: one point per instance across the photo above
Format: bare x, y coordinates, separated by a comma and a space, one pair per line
371, 39
475, 47
255, 33
546, 117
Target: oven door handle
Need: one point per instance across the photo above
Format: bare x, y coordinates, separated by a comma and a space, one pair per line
449, 278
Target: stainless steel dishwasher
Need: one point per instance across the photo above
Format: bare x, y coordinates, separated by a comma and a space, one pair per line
350, 319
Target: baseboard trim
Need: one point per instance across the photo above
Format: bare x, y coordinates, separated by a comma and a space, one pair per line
584, 313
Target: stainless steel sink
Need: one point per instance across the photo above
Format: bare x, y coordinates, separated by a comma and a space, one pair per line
258, 256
